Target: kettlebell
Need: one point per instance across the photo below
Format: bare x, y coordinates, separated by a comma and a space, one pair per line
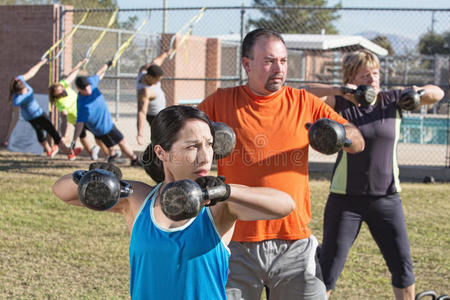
100, 189
410, 99
364, 94
327, 136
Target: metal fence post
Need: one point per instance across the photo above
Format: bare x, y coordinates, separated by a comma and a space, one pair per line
119, 37
241, 75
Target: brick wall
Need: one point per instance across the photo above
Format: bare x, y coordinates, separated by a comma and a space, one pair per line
27, 32
198, 57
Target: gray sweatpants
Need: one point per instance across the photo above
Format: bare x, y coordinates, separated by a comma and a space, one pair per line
286, 268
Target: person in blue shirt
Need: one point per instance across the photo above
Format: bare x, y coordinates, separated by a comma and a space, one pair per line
21, 94
184, 259
93, 112
64, 98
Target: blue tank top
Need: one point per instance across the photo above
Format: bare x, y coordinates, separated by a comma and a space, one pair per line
187, 262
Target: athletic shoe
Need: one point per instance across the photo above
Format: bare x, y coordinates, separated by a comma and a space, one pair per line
75, 152
52, 153
95, 150
113, 158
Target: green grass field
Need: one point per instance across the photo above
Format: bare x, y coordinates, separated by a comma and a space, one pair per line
50, 250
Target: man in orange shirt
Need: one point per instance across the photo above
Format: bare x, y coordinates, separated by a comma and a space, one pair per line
272, 150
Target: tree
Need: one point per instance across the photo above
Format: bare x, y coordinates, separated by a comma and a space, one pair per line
384, 42
432, 43
291, 18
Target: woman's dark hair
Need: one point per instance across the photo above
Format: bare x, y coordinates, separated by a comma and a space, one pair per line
164, 132
51, 92
15, 86
251, 37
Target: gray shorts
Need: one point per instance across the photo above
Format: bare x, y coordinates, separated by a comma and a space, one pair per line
286, 268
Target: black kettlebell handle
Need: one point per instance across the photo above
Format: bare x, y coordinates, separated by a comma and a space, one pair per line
430, 293
125, 188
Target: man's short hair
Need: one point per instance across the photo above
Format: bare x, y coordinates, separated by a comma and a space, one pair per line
82, 82
155, 71
251, 37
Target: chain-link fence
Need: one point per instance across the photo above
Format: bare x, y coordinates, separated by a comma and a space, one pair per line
316, 38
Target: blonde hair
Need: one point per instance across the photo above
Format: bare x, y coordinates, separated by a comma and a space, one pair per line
353, 61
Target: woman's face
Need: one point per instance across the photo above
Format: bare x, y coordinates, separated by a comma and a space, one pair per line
59, 92
367, 76
191, 155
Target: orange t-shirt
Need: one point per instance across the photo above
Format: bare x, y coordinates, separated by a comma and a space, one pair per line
271, 150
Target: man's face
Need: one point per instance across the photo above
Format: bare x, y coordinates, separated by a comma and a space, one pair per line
267, 69
150, 80
86, 91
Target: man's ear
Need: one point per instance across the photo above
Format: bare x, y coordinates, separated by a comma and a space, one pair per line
160, 153
246, 63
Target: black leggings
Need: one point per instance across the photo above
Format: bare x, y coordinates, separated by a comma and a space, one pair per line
41, 124
384, 216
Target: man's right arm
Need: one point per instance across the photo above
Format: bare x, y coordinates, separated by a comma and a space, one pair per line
156, 61
77, 132
143, 100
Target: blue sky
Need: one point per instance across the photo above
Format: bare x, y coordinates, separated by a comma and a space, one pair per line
345, 25
345, 3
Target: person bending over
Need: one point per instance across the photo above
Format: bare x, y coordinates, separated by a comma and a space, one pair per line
21, 94
93, 112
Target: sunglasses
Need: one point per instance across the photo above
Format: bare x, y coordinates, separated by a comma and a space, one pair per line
62, 95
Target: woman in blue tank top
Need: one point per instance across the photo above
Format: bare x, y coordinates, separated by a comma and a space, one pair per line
185, 259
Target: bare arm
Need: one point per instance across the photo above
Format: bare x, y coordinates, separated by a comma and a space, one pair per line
249, 203
74, 72
101, 72
156, 61
34, 69
432, 95
66, 190
141, 114
258, 203
328, 92
78, 128
354, 135
12, 124
64, 124
321, 90
160, 59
